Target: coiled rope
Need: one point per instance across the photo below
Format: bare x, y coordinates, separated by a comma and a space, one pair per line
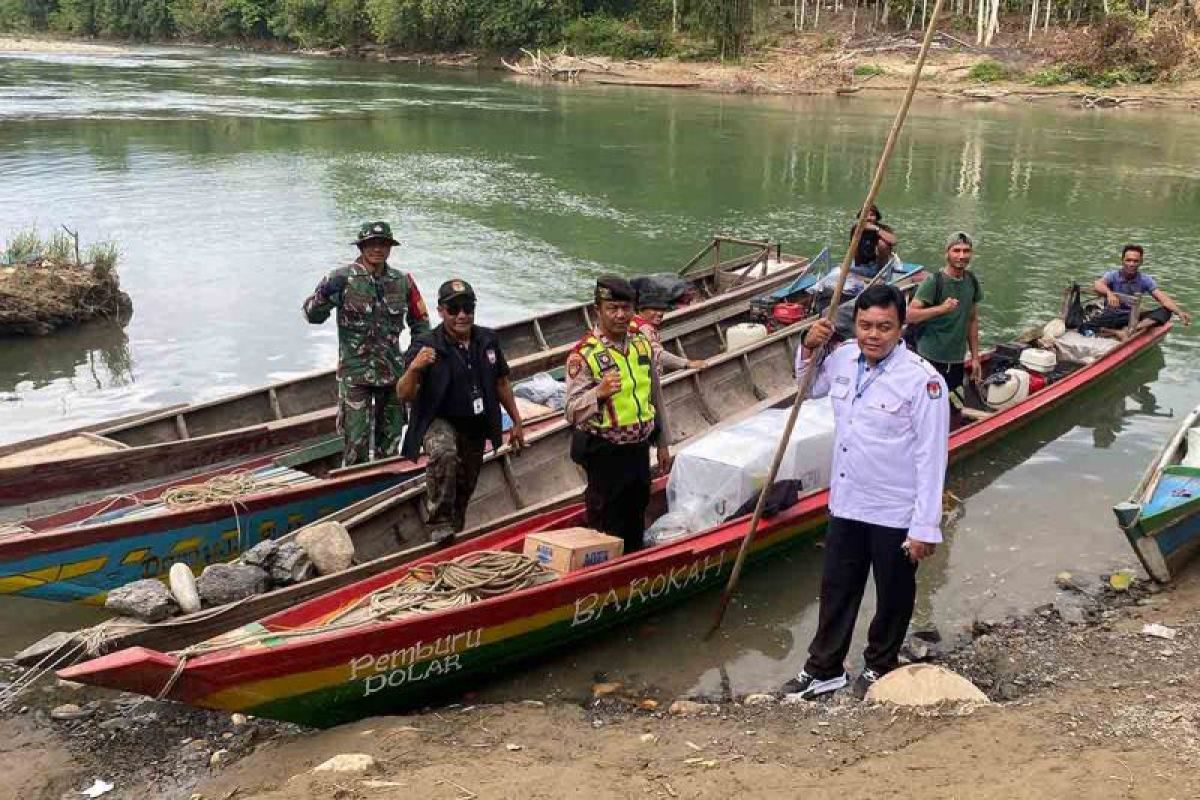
217, 489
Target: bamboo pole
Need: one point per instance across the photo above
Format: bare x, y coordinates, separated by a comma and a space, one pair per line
814, 362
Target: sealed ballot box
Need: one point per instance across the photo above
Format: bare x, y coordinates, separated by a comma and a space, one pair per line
572, 549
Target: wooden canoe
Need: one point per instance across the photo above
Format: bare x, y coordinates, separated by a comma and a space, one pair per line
78, 554
387, 528
1161, 519
291, 666
173, 440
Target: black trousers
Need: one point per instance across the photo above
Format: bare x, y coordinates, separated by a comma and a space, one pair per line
852, 549
618, 487
953, 373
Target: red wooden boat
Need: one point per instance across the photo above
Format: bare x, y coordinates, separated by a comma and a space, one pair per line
294, 666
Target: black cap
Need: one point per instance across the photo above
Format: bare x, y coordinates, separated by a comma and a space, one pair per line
454, 289
614, 287
652, 298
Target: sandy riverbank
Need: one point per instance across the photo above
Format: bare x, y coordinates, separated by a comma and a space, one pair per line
805, 67
40, 44
1087, 708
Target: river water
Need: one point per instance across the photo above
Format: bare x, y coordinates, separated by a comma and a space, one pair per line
232, 182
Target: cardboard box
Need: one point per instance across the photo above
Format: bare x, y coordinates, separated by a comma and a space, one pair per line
571, 549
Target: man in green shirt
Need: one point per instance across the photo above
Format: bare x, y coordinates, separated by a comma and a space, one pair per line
946, 307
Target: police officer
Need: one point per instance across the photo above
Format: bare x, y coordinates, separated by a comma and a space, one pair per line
456, 381
885, 502
614, 403
373, 302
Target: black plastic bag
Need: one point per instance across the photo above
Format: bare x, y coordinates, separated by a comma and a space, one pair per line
1074, 317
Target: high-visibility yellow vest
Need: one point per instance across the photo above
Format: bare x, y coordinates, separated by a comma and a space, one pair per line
631, 405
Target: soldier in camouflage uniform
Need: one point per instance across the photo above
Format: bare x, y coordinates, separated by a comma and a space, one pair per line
373, 301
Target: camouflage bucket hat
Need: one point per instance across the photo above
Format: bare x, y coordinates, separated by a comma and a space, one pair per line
375, 230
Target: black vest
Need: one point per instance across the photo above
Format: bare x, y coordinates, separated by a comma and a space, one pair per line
436, 382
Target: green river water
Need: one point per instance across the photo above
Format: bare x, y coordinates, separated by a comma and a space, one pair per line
233, 181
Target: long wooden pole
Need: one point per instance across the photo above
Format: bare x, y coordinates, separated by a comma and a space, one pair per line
814, 363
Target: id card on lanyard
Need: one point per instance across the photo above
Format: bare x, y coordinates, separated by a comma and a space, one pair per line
860, 388
476, 394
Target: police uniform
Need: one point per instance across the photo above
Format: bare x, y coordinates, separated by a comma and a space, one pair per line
612, 437
455, 414
888, 470
372, 311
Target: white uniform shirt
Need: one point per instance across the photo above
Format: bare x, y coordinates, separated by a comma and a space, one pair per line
891, 439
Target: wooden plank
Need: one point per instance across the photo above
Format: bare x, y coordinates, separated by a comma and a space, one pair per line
181, 426
273, 396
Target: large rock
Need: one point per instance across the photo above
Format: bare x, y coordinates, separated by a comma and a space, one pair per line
227, 583
329, 546
261, 554
148, 600
347, 762
183, 588
290, 564
924, 685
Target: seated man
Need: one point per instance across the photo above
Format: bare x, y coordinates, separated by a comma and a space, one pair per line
1130, 281
879, 241
652, 307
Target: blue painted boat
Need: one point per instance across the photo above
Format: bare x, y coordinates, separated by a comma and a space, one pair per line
1162, 517
79, 554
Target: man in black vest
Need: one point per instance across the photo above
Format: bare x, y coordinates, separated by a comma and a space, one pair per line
456, 380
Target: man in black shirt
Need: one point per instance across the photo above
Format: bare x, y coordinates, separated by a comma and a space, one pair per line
456, 380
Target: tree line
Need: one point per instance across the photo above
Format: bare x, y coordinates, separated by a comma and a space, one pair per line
620, 28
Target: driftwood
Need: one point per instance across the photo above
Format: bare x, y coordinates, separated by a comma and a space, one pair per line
556, 66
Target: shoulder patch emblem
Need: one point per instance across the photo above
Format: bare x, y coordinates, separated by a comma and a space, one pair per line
491, 356
933, 389
605, 361
574, 364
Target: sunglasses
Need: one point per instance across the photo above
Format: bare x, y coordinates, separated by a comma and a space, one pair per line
454, 309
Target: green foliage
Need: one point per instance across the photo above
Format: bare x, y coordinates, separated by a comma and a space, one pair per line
24, 246
868, 70
321, 23
727, 22
1116, 76
988, 71
60, 248
612, 37
223, 19
420, 23
13, 17
1052, 76
507, 24
103, 257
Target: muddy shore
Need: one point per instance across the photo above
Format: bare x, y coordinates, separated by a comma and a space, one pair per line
1084, 703
804, 67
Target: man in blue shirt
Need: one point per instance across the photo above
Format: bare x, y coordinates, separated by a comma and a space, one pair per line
1130, 281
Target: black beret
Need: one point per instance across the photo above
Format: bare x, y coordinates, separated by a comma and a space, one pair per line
614, 287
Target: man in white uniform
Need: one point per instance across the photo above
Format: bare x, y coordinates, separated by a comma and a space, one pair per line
885, 502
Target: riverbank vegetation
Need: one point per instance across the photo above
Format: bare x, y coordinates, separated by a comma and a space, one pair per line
47, 282
1102, 43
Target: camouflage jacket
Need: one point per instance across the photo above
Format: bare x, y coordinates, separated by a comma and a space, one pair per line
371, 314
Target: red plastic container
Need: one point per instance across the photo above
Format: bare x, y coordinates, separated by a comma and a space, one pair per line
1036, 381
788, 313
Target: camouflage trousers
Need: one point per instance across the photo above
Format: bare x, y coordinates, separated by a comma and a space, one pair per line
450, 476
369, 415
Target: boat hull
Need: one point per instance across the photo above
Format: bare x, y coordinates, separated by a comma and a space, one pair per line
336, 676
81, 567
